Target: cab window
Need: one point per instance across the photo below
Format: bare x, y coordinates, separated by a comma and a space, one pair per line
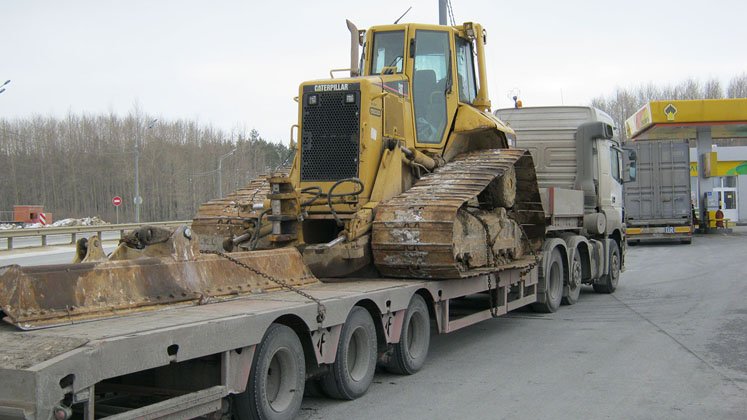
430, 83
465, 71
388, 52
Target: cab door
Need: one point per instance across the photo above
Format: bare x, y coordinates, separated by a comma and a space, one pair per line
610, 175
433, 93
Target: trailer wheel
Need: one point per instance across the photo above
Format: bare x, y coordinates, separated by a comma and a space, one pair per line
575, 276
352, 372
408, 356
276, 383
608, 282
551, 284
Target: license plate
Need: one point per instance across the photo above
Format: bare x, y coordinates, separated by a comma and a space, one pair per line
669, 229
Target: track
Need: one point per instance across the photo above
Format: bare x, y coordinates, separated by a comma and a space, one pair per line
230, 216
414, 233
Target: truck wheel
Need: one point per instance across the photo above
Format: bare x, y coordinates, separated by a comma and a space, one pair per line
608, 282
276, 383
575, 276
352, 372
408, 356
551, 285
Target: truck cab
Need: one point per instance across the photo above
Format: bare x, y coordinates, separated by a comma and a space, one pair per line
575, 148
579, 163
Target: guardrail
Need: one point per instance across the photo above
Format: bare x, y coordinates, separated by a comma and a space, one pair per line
73, 231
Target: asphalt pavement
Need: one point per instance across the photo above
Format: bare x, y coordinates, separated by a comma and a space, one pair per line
59, 254
671, 343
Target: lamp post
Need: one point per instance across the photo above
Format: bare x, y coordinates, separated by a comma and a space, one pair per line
2, 87
220, 171
138, 199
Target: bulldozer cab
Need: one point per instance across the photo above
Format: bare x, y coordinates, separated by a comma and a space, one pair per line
438, 66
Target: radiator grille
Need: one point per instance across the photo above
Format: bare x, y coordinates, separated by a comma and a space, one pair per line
329, 137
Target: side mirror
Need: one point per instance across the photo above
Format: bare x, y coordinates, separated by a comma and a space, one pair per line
631, 165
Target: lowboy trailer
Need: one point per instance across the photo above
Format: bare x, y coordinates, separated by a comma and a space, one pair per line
188, 362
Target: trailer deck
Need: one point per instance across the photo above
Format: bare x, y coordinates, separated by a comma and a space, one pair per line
72, 363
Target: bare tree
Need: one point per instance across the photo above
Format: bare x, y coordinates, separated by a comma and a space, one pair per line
712, 90
75, 165
737, 87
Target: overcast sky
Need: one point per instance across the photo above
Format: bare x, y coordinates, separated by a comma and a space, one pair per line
237, 64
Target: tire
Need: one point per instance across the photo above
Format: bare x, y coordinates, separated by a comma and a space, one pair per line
409, 355
353, 370
608, 282
276, 384
575, 277
552, 284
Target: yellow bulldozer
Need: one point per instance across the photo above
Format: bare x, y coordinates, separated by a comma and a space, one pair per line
401, 165
400, 170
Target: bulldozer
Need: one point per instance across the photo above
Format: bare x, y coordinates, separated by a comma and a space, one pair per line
400, 166
400, 170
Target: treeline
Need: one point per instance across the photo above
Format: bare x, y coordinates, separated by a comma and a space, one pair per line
74, 166
624, 102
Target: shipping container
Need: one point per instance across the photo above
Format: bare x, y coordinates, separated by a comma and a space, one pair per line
658, 204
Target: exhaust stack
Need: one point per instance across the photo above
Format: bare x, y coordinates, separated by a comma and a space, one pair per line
354, 51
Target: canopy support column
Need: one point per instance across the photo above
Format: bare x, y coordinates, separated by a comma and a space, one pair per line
703, 145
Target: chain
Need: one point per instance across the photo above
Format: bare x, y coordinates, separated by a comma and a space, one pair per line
321, 309
531, 251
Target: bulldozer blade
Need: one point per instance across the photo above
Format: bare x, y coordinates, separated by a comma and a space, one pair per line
44, 296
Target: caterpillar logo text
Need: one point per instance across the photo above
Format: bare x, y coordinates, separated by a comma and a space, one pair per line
333, 87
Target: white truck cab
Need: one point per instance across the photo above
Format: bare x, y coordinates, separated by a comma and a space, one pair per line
579, 165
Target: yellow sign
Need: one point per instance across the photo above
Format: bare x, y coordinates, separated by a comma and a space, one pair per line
639, 120
679, 119
728, 168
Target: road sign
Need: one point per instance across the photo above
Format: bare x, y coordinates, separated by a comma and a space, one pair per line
43, 219
138, 200
117, 201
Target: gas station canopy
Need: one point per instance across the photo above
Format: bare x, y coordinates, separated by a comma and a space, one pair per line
702, 120
660, 120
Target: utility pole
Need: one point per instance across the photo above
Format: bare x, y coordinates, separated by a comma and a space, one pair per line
220, 171
138, 198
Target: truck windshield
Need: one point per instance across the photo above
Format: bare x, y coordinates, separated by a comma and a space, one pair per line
388, 52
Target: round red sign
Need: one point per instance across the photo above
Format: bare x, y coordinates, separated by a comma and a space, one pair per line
117, 201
